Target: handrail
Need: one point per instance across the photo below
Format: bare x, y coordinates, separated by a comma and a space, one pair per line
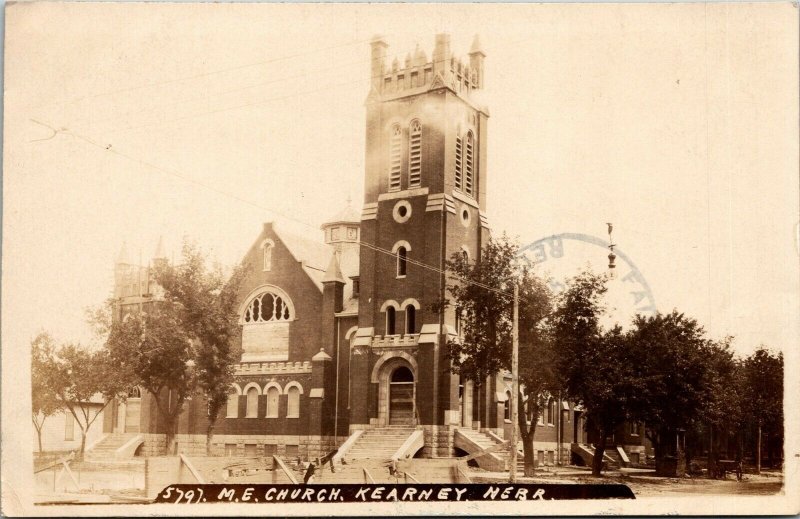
462, 473
285, 469
414, 437
57, 462
367, 476
346, 446
191, 468
407, 475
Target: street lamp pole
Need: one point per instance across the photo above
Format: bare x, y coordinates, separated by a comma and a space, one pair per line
514, 384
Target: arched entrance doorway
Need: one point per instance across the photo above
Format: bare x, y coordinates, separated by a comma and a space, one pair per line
401, 396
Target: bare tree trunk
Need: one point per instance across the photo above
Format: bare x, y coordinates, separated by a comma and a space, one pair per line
38, 428
758, 450
599, 452
209, 435
83, 443
527, 450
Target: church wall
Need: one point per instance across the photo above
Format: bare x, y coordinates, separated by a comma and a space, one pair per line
287, 274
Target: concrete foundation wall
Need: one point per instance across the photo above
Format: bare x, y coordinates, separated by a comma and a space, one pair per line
287, 446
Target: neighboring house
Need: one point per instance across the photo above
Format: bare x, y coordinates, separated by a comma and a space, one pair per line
340, 333
61, 433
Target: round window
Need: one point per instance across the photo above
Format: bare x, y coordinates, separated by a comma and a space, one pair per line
402, 211
465, 217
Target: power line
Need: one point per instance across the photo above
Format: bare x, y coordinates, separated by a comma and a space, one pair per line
204, 74
176, 174
436, 269
262, 101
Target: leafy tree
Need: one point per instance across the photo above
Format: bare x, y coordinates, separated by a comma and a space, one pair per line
207, 302
763, 390
592, 363
44, 401
673, 380
722, 413
154, 352
482, 294
77, 375
181, 344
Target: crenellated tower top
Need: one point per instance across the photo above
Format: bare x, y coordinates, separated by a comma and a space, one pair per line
416, 74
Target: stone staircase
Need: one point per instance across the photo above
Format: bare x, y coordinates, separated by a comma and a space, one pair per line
379, 444
472, 441
611, 458
107, 448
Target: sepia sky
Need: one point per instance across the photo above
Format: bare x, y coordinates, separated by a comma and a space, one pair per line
679, 124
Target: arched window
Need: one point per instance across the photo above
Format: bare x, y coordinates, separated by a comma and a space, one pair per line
293, 402
252, 403
390, 320
411, 319
268, 245
469, 146
459, 181
507, 407
402, 261
232, 409
395, 158
415, 154
267, 307
272, 402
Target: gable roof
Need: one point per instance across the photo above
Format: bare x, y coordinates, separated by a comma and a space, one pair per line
312, 255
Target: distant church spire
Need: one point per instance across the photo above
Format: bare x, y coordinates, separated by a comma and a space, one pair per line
122, 257
160, 254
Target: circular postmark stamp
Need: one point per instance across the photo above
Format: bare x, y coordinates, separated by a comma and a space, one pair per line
564, 255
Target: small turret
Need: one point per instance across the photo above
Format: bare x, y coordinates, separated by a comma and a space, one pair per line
476, 57
379, 47
122, 257
420, 58
122, 271
343, 227
160, 256
441, 54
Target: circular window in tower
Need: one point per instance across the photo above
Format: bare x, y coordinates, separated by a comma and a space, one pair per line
402, 211
465, 216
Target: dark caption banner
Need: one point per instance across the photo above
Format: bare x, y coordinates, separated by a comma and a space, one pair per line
372, 493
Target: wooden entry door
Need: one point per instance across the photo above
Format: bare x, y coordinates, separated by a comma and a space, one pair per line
401, 397
132, 411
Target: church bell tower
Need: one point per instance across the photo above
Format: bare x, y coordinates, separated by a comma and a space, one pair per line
425, 199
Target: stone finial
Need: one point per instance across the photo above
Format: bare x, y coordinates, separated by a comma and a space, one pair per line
334, 271
321, 356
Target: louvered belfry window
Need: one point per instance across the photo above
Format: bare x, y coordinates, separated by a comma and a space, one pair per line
415, 154
459, 183
469, 146
395, 158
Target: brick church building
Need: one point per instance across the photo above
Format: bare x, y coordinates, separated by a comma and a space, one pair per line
340, 333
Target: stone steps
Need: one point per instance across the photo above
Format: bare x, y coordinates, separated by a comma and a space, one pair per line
109, 445
379, 444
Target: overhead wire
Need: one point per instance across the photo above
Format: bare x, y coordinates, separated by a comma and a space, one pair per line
176, 174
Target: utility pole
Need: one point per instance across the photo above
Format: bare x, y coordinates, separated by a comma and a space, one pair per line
514, 384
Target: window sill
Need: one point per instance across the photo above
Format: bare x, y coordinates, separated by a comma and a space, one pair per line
506, 420
276, 416
400, 277
298, 416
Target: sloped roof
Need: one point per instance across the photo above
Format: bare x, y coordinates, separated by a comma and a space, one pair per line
346, 215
